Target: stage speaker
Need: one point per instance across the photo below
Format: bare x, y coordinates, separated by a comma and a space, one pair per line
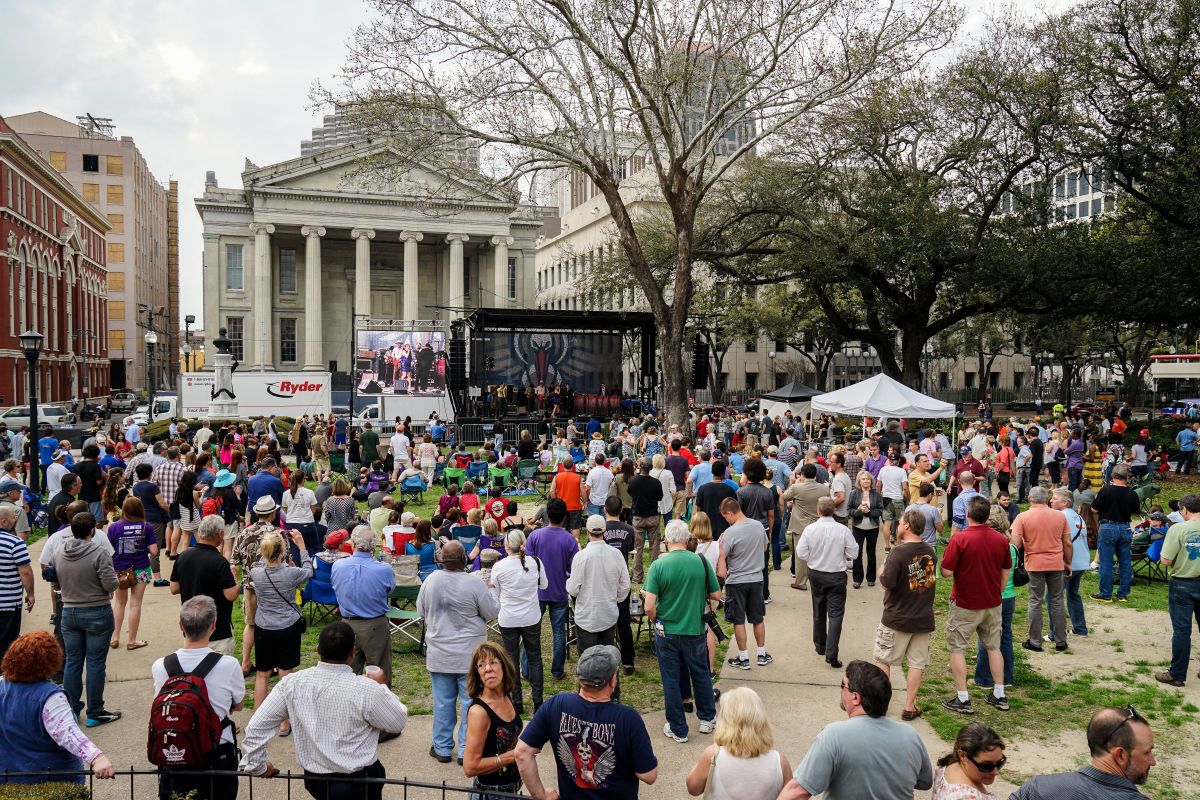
456, 370
401, 387
372, 387
699, 363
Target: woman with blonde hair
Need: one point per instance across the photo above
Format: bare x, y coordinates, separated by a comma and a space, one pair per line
667, 479
740, 762
278, 622
701, 530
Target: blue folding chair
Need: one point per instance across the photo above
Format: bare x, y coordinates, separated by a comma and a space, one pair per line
413, 488
317, 597
477, 473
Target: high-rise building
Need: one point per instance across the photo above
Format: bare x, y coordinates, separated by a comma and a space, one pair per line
111, 174
341, 128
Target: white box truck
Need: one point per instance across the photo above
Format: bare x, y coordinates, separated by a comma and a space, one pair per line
259, 394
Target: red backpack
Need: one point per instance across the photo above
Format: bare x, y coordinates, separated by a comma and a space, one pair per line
185, 731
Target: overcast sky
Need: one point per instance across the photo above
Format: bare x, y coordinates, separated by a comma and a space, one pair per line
198, 86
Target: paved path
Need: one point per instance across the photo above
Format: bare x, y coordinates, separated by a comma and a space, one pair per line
800, 690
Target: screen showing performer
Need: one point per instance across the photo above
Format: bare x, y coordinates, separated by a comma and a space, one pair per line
401, 362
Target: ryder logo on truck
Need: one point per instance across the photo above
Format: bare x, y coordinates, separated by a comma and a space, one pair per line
288, 389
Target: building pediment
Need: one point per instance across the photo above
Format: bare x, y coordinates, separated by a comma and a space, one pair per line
364, 169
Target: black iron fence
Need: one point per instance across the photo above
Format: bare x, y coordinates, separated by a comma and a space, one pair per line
143, 783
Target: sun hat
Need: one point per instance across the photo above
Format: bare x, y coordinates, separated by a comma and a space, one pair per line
597, 435
224, 478
265, 505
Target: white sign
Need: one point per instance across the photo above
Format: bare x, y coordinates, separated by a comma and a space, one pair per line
259, 394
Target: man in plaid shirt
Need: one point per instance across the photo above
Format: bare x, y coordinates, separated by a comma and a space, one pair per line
167, 475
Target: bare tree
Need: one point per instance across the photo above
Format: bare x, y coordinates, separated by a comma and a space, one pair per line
678, 92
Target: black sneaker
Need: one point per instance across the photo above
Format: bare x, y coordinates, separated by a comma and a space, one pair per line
1000, 703
764, 659
958, 706
739, 663
102, 718
1028, 645
438, 756
1100, 598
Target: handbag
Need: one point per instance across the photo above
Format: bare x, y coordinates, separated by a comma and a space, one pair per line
712, 767
303, 622
1020, 576
126, 578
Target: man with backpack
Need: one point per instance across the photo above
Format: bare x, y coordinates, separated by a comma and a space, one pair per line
195, 691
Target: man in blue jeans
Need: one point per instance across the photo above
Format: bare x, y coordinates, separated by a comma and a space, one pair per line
1181, 556
1115, 505
555, 547
677, 588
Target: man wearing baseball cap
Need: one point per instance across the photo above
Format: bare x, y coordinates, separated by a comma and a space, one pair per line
599, 580
601, 749
11, 494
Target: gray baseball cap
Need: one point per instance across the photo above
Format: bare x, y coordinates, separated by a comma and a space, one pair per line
9, 485
598, 664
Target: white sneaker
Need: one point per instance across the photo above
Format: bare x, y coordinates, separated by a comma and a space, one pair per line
707, 726
667, 732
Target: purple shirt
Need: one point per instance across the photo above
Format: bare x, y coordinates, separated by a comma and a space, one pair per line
1074, 453
873, 465
131, 544
555, 547
679, 468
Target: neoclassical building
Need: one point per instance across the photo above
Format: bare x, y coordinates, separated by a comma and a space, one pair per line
302, 247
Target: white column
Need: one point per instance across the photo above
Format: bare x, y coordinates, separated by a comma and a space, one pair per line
411, 306
259, 340
314, 325
501, 244
455, 298
362, 270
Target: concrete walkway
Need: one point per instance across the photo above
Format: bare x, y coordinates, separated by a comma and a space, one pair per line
800, 690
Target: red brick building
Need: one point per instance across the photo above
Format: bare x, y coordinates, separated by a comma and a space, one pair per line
53, 279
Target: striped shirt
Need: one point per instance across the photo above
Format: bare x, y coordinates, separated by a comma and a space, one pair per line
13, 554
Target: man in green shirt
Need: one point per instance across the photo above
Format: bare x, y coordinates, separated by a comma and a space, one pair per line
1181, 556
368, 443
677, 587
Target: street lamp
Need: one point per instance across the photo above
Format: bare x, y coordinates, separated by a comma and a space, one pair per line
31, 342
151, 340
771, 355
188, 322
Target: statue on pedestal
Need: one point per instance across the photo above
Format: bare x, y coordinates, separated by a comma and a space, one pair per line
223, 403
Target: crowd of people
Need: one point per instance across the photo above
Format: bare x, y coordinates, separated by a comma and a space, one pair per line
670, 525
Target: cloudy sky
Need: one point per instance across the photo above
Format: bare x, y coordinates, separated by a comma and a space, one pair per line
198, 86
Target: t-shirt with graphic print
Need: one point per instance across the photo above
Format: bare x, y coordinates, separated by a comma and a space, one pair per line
908, 579
599, 748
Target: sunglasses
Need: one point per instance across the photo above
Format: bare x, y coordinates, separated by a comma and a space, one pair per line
989, 766
1130, 713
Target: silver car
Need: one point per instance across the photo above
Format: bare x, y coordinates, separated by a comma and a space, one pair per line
17, 417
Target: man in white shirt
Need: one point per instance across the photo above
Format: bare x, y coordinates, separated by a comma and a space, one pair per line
202, 436
599, 579
336, 718
599, 483
226, 688
826, 545
891, 482
133, 433
400, 456
56, 471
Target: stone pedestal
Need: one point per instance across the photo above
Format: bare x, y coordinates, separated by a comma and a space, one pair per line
223, 402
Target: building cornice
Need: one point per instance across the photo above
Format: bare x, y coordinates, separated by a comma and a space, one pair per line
20, 150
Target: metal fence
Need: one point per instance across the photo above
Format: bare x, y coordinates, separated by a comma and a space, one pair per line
143, 783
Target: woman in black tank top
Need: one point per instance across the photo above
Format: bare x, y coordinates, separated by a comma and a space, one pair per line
493, 724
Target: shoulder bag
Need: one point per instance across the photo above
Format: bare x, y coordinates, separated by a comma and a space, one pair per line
303, 622
1020, 576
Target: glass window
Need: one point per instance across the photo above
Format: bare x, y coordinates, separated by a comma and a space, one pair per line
91, 163
1071, 185
1096, 203
1060, 186
287, 339
287, 271
234, 330
751, 381
512, 278
1109, 203
752, 345
1084, 184
233, 267
780, 347
1083, 209
1071, 211
1059, 214
969, 380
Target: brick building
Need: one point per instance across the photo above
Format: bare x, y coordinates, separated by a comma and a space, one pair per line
53, 275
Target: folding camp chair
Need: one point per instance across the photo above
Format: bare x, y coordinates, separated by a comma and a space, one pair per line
406, 622
542, 482
317, 598
1146, 564
526, 472
500, 477
413, 488
454, 475
477, 472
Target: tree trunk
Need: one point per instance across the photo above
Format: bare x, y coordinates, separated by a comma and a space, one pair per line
674, 376
912, 345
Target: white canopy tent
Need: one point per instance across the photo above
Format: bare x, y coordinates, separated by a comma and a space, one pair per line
881, 397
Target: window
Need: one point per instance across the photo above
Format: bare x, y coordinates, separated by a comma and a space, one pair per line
969, 380
114, 165
512, 278
752, 345
780, 347
233, 267
1109, 203
993, 380
751, 381
91, 163
1071, 185
1060, 185
287, 272
118, 222
115, 194
91, 192
1096, 206
1084, 186
943, 380
58, 161
116, 281
233, 329
116, 338
116, 309
1071, 211
116, 253
1083, 209
287, 340
1018, 380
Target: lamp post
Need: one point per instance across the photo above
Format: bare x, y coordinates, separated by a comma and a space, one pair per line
188, 322
151, 340
771, 355
31, 342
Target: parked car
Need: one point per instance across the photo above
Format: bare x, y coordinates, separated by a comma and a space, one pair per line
1086, 407
1178, 409
17, 417
123, 402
